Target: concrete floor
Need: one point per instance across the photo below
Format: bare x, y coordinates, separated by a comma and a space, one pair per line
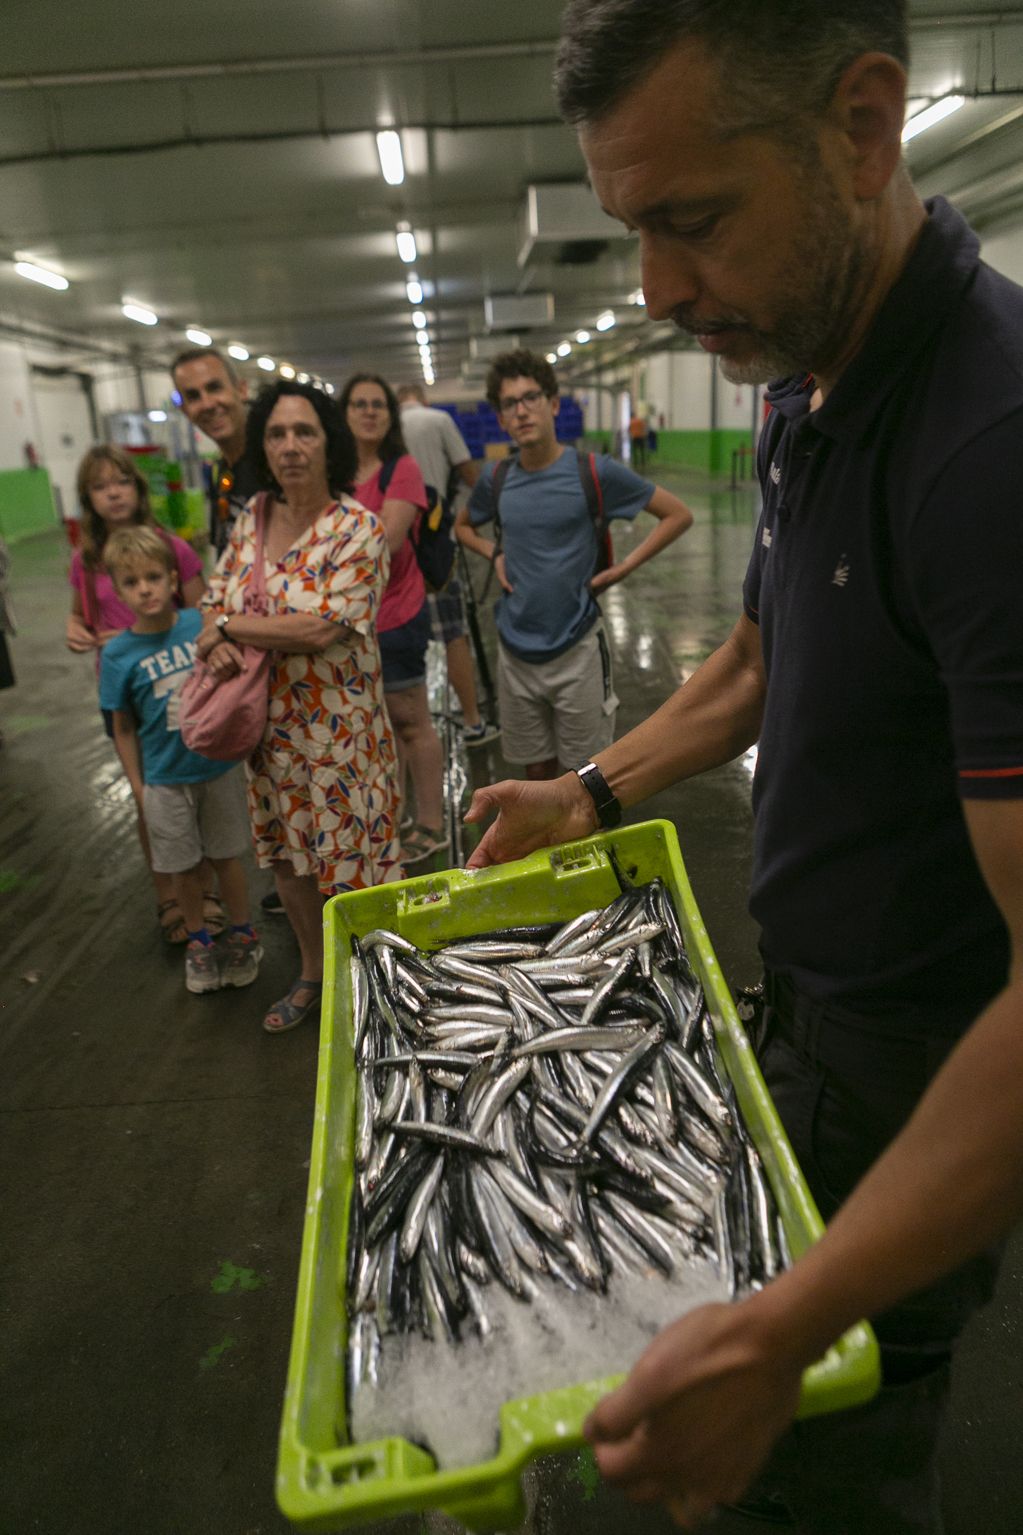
155, 1145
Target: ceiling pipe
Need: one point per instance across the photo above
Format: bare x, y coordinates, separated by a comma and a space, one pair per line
389, 57
303, 64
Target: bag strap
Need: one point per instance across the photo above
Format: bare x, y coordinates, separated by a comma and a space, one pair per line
259, 561
90, 602
594, 495
501, 469
386, 474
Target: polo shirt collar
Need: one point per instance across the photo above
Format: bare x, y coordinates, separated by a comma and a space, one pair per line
942, 262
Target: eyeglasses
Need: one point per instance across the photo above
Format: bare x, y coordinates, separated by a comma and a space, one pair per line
367, 404
510, 404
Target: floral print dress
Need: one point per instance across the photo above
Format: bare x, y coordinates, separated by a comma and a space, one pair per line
322, 787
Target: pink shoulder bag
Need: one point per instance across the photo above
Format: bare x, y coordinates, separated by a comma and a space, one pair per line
224, 718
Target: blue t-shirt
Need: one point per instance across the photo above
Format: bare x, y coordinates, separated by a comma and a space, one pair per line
143, 674
550, 548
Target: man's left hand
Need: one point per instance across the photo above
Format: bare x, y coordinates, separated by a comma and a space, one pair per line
696, 1420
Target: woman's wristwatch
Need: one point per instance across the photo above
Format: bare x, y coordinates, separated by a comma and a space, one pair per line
605, 802
221, 622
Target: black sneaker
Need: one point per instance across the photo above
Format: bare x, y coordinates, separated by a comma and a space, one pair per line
272, 903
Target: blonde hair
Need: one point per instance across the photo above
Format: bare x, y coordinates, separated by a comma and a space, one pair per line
94, 530
130, 546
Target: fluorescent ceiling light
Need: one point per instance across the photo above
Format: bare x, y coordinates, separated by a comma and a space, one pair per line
931, 115
582, 336
199, 336
422, 338
286, 370
638, 298
418, 319
239, 353
391, 163
329, 388
406, 243
552, 356
138, 314
266, 363
303, 378
41, 274
414, 289
605, 320
157, 415
564, 349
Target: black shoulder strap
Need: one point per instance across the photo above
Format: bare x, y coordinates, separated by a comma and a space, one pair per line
496, 486
386, 472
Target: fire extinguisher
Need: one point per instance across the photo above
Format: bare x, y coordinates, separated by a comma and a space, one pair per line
31, 456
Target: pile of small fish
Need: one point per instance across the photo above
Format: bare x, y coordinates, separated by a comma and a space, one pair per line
540, 1104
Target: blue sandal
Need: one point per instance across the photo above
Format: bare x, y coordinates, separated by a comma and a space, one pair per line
290, 1012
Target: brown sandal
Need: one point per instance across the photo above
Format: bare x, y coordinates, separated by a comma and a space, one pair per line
213, 916
172, 923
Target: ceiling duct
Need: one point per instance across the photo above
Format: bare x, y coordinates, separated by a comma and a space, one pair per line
485, 348
563, 221
518, 311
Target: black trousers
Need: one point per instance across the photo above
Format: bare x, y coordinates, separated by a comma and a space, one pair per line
843, 1091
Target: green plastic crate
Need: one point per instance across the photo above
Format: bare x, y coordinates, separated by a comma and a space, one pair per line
324, 1483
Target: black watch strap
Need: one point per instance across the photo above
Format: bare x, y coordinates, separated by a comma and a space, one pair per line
609, 812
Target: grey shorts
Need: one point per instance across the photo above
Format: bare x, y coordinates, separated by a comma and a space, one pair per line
563, 708
188, 822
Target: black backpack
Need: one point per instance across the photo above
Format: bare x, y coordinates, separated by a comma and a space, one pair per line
590, 482
431, 534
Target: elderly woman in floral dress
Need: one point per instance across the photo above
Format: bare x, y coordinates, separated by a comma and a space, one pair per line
322, 789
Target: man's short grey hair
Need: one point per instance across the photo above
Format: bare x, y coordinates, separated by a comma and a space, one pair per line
411, 392
780, 60
194, 353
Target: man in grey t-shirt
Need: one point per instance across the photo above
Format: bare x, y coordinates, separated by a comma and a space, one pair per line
439, 449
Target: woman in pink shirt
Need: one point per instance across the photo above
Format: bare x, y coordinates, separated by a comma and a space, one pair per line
403, 624
114, 494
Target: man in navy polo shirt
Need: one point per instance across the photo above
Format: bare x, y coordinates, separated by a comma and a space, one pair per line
754, 145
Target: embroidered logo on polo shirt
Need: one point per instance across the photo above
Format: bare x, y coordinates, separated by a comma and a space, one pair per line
765, 538
775, 473
841, 575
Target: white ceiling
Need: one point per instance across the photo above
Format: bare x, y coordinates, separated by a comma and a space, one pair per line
218, 165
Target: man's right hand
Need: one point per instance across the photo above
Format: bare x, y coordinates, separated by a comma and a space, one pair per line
530, 815
502, 574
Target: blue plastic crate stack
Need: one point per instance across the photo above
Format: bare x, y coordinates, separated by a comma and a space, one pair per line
479, 424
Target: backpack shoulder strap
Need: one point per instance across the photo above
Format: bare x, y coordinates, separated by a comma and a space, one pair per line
593, 492
501, 469
386, 473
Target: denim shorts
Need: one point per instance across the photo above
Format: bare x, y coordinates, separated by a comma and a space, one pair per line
403, 652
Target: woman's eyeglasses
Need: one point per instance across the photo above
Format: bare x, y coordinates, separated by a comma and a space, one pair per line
367, 404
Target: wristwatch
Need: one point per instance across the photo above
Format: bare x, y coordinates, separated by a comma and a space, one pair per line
605, 802
221, 622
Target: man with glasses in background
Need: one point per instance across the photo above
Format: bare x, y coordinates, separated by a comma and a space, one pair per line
215, 400
554, 681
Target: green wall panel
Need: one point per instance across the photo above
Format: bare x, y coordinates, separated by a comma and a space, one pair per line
26, 503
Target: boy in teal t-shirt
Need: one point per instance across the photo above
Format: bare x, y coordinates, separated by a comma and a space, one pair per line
193, 808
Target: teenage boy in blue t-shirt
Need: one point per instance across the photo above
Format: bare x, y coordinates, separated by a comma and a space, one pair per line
193, 808
554, 679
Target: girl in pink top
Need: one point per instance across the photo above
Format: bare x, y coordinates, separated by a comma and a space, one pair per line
403, 625
114, 493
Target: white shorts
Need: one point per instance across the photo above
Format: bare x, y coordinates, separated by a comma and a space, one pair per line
188, 822
563, 708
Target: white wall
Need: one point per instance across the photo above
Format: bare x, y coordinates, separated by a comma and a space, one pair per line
19, 419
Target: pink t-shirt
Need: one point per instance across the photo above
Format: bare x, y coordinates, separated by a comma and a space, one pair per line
405, 592
112, 612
